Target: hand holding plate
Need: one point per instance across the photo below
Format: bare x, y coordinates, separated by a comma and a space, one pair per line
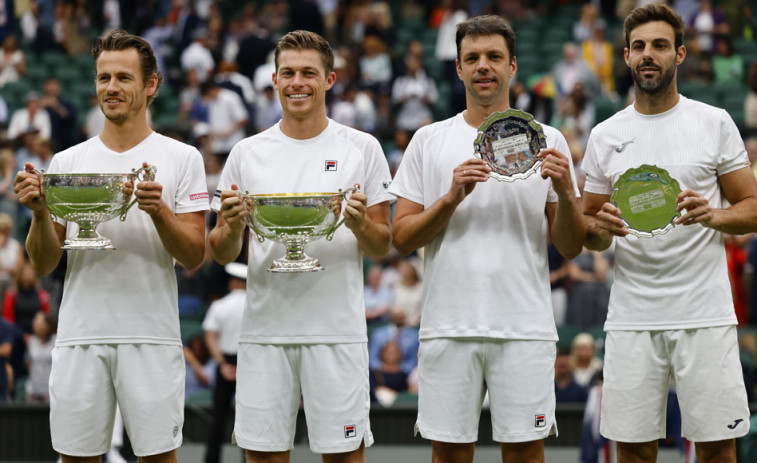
697, 209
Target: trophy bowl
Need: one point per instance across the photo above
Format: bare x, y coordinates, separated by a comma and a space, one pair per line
294, 219
88, 200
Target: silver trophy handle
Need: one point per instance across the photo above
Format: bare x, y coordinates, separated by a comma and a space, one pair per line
40, 173
142, 174
342, 197
245, 201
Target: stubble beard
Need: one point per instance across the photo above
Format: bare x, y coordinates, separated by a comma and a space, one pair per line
654, 86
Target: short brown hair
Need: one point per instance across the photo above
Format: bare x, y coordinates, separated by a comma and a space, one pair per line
119, 40
650, 13
488, 24
305, 40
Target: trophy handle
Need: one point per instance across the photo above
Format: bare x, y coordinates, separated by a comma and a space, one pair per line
247, 221
39, 174
142, 174
342, 197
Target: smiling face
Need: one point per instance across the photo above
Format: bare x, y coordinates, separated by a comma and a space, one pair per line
485, 67
302, 82
121, 90
653, 57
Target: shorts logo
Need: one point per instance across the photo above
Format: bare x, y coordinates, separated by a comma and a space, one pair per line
540, 421
330, 166
350, 431
198, 196
735, 423
175, 430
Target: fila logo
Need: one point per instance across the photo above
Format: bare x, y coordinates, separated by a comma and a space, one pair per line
330, 166
622, 146
350, 431
735, 423
540, 421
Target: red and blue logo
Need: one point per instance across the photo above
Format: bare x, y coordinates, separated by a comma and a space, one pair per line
350, 431
330, 166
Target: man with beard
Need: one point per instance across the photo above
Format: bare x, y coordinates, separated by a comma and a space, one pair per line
118, 339
671, 311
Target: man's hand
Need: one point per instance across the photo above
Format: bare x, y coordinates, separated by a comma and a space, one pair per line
556, 166
609, 223
232, 208
465, 176
28, 188
150, 196
697, 208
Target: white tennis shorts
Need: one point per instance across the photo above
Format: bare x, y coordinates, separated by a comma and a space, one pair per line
455, 374
86, 382
708, 379
331, 379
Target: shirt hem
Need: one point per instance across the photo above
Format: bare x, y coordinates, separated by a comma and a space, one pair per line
114, 340
488, 335
304, 340
669, 325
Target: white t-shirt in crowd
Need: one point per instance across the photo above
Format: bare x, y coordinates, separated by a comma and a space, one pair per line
316, 307
225, 318
223, 113
678, 280
128, 295
486, 275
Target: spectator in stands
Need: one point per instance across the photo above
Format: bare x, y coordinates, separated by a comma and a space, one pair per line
408, 293
6, 349
566, 387
268, 109
8, 199
375, 66
31, 118
589, 294
397, 331
401, 140
62, 112
587, 23
227, 117
470, 340
12, 62
750, 102
100, 316
697, 67
558, 281
22, 302
727, 66
598, 54
200, 367
222, 325
11, 254
708, 23
583, 361
197, 56
388, 378
445, 18
414, 94
95, 120
378, 298
570, 70
40, 357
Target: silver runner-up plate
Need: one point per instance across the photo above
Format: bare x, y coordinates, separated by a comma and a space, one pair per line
510, 141
646, 196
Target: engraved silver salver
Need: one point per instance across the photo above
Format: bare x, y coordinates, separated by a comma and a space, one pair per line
510, 142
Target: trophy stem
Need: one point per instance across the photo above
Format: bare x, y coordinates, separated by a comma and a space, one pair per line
87, 239
87, 231
295, 260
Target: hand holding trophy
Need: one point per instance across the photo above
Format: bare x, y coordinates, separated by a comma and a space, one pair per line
294, 219
88, 199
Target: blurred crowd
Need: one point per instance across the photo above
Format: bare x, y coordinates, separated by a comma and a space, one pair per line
395, 73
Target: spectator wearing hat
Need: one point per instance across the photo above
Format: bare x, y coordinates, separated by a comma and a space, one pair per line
30, 118
222, 324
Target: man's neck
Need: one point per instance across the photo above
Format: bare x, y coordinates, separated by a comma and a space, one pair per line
657, 103
126, 136
474, 115
304, 129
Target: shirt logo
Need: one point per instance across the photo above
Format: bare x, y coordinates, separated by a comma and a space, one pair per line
330, 166
540, 421
386, 185
175, 430
622, 146
350, 431
195, 196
